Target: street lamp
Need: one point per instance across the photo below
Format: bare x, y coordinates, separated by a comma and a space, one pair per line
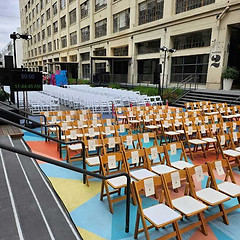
14, 36
165, 50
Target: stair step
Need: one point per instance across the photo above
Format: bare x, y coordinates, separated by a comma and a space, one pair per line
40, 213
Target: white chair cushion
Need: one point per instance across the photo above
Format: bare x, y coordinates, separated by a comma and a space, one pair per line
142, 173
211, 196
229, 188
181, 164
196, 141
75, 147
93, 161
209, 140
188, 205
162, 169
118, 182
160, 214
231, 153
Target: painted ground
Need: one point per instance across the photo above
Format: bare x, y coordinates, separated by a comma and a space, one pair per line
92, 216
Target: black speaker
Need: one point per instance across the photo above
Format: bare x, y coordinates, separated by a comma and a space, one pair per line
8, 62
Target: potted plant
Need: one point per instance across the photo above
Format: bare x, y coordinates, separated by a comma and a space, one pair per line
228, 76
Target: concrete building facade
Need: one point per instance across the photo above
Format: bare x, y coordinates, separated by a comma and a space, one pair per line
123, 38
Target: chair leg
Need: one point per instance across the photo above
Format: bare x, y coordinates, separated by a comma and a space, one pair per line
203, 226
177, 230
137, 225
224, 217
102, 191
108, 197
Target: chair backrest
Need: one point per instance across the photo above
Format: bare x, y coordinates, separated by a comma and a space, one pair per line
129, 141
112, 163
171, 150
155, 155
112, 143
148, 138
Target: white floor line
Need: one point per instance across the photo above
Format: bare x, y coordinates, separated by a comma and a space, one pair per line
34, 195
19, 229
54, 196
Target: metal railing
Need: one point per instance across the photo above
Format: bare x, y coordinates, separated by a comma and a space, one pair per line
79, 170
27, 113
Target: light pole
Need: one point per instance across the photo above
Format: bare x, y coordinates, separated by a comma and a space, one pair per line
14, 36
165, 50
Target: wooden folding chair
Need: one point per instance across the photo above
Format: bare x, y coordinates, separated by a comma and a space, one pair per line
147, 138
192, 139
222, 169
90, 133
226, 149
129, 142
172, 150
208, 195
187, 205
157, 161
122, 129
169, 131
137, 165
111, 164
158, 215
112, 144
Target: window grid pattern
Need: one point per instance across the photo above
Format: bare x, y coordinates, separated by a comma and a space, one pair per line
121, 51
73, 38
186, 5
100, 4
121, 21
84, 9
63, 22
55, 27
72, 16
195, 65
150, 10
64, 41
54, 8
149, 47
85, 34
101, 28
85, 56
193, 40
62, 4
86, 70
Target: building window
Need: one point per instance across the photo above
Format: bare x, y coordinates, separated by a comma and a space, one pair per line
63, 22
41, 4
43, 34
62, 4
35, 38
150, 10
48, 14
86, 70
121, 20
147, 70
84, 9
49, 30
39, 50
100, 4
73, 38
192, 40
26, 19
100, 67
44, 48
149, 47
99, 52
101, 28
39, 36
72, 16
33, 13
54, 8
38, 22
34, 26
120, 51
186, 5
29, 16
85, 56
70, 1
73, 58
55, 27
49, 46
85, 34
37, 8
195, 65
64, 41
42, 19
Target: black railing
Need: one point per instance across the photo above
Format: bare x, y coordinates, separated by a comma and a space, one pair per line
27, 113
79, 170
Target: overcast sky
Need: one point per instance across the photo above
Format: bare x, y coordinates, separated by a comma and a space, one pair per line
9, 20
